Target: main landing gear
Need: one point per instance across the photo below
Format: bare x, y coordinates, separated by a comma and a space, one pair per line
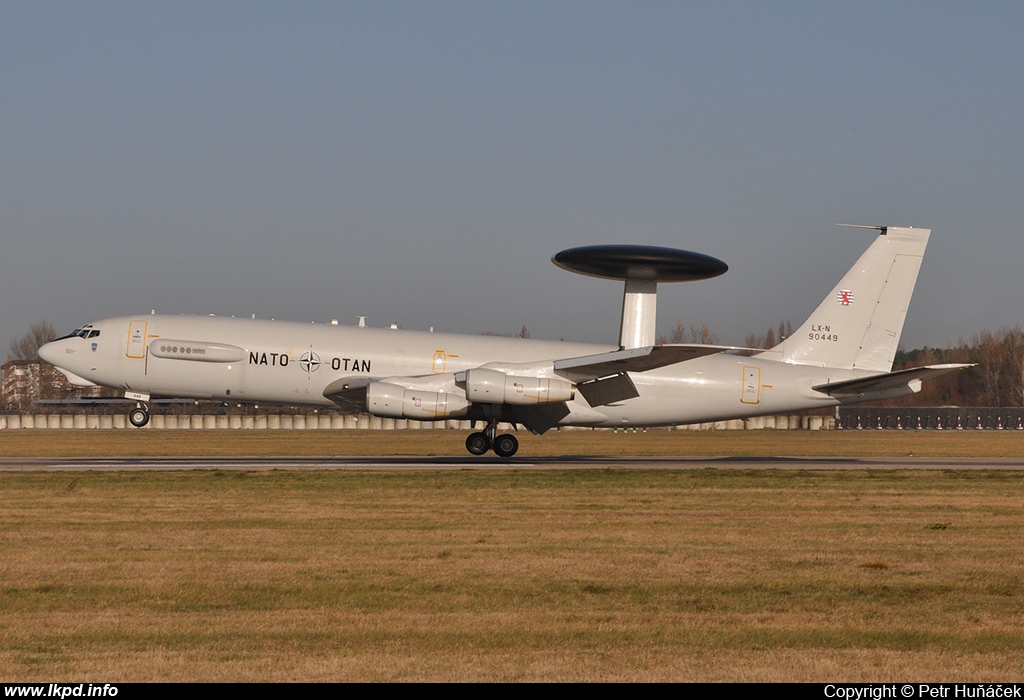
503, 445
139, 415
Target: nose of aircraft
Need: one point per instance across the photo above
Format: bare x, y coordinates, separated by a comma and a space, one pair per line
49, 352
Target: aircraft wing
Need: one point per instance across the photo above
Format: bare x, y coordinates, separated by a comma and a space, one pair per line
867, 387
590, 367
603, 378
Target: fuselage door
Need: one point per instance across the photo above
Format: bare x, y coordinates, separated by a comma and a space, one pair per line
440, 362
751, 385
137, 339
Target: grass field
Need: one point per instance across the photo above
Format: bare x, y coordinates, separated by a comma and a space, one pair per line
499, 575
751, 443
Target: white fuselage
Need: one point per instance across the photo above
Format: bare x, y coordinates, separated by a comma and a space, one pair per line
232, 359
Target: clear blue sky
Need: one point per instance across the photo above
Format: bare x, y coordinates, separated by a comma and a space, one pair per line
420, 162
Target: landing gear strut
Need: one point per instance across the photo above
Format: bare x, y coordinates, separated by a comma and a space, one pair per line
503, 445
139, 415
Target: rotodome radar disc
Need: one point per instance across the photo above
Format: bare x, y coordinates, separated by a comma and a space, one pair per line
639, 262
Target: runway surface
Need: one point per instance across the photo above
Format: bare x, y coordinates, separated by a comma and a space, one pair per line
517, 463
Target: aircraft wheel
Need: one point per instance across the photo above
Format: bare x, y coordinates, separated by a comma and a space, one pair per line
477, 443
139, 417
505, 445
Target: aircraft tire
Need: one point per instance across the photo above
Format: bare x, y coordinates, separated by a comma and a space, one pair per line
138, 417
506, 445
477, 444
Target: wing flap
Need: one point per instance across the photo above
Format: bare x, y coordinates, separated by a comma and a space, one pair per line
608, 390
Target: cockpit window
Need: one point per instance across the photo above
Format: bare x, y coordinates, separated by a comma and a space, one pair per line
83, 332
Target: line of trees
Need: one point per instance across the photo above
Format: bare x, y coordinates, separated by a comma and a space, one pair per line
27, 346
38, 380
701, 334
997, 380
692, 334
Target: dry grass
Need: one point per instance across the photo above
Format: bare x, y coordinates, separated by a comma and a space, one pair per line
753, 443
600, 575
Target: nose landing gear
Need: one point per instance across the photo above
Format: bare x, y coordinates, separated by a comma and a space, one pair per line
139, 416
503, 445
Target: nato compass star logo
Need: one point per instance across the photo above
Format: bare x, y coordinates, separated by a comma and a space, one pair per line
309, 362
845, 297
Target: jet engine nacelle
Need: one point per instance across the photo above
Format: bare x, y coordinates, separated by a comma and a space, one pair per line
396, 401
492, 386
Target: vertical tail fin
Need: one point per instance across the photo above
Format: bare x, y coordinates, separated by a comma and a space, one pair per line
859, 323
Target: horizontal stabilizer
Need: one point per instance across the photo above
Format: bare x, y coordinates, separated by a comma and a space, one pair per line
867, 387
588, 367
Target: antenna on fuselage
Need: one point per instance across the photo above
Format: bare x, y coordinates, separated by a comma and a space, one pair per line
641, 267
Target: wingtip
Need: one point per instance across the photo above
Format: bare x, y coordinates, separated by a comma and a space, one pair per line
870, 226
